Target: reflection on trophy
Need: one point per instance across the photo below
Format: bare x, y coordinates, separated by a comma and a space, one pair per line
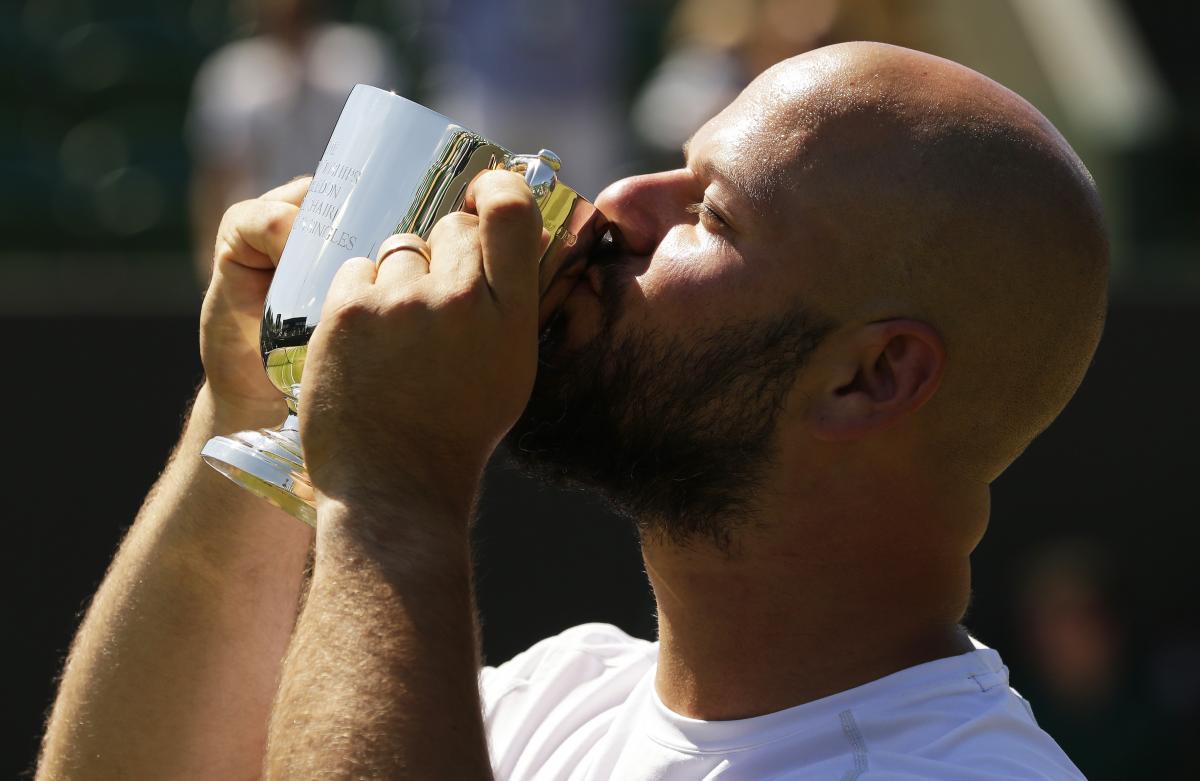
392, 166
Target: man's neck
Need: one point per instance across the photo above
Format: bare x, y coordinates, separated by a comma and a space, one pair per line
775, 627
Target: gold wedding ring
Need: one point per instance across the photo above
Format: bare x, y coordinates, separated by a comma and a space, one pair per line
414, 243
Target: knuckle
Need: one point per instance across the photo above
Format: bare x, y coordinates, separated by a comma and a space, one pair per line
409, 304
297, 183
453, 223
237, 214
269, 218
353, 312
292, 191
512, 207
500, 179
459, 220
344, 285
278, 223
353, 266
509, 201
461, 297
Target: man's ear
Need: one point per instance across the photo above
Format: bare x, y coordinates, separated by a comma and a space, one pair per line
892, 368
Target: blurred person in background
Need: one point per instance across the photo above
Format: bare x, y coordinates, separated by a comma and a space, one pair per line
797, 366
1072, 621
715, 48
713, 51
1083, 64
263, 107
533, 74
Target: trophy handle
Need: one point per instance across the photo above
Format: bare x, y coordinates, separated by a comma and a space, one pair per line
570, 219
540, 171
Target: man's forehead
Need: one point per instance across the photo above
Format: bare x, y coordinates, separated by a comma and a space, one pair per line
752, 144
763, 137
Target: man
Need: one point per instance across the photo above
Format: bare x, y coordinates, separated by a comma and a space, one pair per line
800, 364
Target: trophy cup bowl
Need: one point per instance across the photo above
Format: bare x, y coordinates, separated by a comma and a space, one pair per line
391, 166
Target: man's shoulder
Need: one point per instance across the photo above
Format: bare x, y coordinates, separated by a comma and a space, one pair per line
599, 638
573, 657
603, 643
954, 718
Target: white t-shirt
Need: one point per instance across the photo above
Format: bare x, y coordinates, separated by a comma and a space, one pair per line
582, 706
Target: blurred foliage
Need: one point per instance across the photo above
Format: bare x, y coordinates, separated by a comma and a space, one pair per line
93, 153
1162, 178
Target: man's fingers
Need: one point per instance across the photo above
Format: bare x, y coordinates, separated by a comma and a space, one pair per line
352, 280
252, 233
510, 229
454, 242
293, 192
402, 257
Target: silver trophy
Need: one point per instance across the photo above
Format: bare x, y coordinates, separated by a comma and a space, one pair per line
392, 166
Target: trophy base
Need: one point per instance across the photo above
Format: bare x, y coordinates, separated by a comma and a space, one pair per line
269, 463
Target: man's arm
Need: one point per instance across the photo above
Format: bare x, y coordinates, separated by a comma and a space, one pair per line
382, 677
417, 371
174, 668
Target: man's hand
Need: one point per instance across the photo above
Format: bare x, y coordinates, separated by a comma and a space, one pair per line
249, 243
419, 368
420, 365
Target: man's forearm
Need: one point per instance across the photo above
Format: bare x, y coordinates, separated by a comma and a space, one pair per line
381, 680
175, 666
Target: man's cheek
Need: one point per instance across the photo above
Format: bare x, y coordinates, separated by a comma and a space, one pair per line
682, 297
704, 262
669, 280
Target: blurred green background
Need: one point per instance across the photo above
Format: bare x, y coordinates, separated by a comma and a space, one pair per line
115, 163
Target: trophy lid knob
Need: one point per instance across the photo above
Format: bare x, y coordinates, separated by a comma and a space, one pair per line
540, 170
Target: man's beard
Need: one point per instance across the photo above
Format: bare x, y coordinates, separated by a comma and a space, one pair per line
677, 433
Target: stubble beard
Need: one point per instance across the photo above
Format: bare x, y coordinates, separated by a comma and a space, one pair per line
676, 432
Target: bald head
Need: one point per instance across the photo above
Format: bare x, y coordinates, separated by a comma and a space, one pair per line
876, 273
938, 195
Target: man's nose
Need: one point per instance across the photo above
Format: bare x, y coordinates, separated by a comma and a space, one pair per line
641, 209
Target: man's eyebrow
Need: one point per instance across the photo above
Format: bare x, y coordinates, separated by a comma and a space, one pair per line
717, 171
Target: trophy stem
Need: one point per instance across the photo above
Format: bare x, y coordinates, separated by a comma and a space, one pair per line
269, 463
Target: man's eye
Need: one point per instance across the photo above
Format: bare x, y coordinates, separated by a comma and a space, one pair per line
708, 214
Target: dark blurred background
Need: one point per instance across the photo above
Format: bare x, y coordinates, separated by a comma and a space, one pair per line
126, 127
